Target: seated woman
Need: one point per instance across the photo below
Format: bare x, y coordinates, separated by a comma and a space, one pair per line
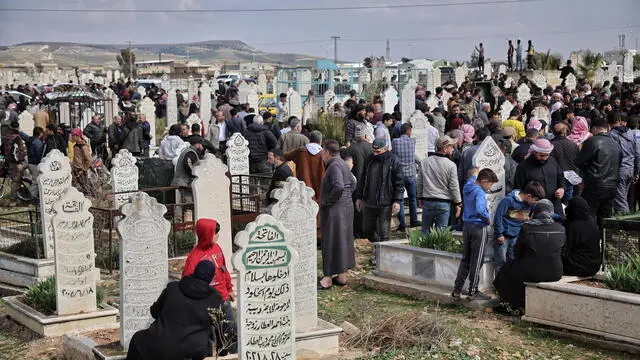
183, 327
581, 256
537, 258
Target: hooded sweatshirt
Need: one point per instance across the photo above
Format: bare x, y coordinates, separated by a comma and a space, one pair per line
630, 164
171, 148
511, 213
475, 209
205, 250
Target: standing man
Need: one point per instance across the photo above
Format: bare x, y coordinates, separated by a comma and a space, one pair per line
281, 109
379, 191
281, 172
293, 139
510, 51
15, 153
145, 139
115, 132
404, 148
217, 133
94, 131
630, 164
519, 56
565, 71
480, 59
530, 52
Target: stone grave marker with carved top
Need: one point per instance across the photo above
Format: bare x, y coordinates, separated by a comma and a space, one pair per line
570, 82
238, 162
505, 109
148, 108
252, 98
540, 80
164, 81
26, 122
524, 93
330, 100
502, 69
194, 119
294, 102
408, 100
266, 291
437, 78
390, 99
124, 176
243, 92
460, 74
144, 268
262, 83
192, 88
142, 91
489, 156
205, 105
420, 132
74, 253
627, 67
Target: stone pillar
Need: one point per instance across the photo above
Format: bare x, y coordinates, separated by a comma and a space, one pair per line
124, 176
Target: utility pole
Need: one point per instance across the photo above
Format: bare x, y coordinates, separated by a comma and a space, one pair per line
130, 63
335, 48
388, 50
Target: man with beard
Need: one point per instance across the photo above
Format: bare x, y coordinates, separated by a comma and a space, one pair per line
539, 166
356, 119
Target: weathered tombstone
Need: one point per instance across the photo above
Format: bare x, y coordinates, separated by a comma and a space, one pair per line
329, 100
238, 162
432, 102
148, 108
281, 82
508, 82
252, 98
297, 211
295, 103
524, 93
124, 176
205, 105
53, 181
420, 132
430, 81
193, 119
390, 99
262, 83
570, 82
505, 109
489, 156
460, 74
211, 186
540, 80
502, 69
142, 91
26, 122
74, 253
164, 82
266, 291
64, 113
304, 81
408, 100
488, 70
117, 75
308, 110
192, 88
627, 67
437, 78
109, 76
144, 268
172, 107
446, 95
598, 77
243, 92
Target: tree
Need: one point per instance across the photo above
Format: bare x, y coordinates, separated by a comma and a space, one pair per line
474, 61
590, 63
548, 61
367, 62
126, 59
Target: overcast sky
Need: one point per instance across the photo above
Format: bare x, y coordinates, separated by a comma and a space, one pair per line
434, 32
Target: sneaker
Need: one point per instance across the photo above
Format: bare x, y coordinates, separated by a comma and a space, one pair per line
455, 295
479, 295
416, 224
401, 229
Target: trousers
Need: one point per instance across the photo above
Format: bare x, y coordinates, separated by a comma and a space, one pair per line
473, 246
376, 223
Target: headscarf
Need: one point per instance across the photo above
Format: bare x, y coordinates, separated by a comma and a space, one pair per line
542, 213
579, 131
534, 124
541, 146
76, 132
205, 270
578, 209
468, 132
556, 106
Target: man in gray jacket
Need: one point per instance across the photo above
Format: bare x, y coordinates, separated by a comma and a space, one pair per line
438, 186
630, 164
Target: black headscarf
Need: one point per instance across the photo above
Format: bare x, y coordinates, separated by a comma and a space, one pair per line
204, 271
578, 209
542, 213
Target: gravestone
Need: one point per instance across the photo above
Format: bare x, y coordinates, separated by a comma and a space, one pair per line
148, 108
304, 81
252, 99
420, 132
192, 89
489, 156
172, 107
505, 109
144, 268
142, 91
281, 83
74, 253
408, 100
502, 69
329, 100
262, 83
461, 73
430, 81
488, 70
308, 110
243, 92
297, 211
53, 181
205, 105
508, 82
540, 80
124, 176
238, 162
598, 77
164, 82
193, 119
627, 67
266, 291
446, 95
524, 93
390, 99
109, 77
26, 122
295, 103
432, 102
570, 82
541, 113
437, 78
211, 186
116, 75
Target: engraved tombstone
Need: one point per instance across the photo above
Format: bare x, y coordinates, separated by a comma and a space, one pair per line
211, 186
570, 82
308, 110
243, 92
508, 82
144, 269
420, 133
502, 69
26, 122
109, 76
627, 67
297, 211
408, 100
295, 103
430, 81
252, 98
304, 81
390, 99
262, 83
489, 156
540, 80
461, 73
205, 105
505, 110
194, 119
238, 162
142, 91
172, 107
329, 100
432, 102
524, 93
53, 181
124, 176
266, 292
488, 70
598, 77
117, 75
192, 88
148, 108
64, 113
74, 253
437, 78
164, 82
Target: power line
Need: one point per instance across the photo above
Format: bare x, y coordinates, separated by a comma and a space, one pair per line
271, 10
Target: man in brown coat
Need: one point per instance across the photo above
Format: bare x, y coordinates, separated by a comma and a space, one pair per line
41, 118
309, 165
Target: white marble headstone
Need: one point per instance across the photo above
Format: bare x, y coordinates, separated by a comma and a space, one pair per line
172, 107
329, 100
266, 290
390, 99
304, 81
488, 70
164, 84
505, 109
420, 132
192, 88
570, 82
408, 100
294, 102
205, 105
508, 82
238, 162
489, 156
598, 78
437, 78
262, 83
148, 108
74, 253
144, 268
53, 181
627, 67
460, 74
124, 176
308, 110
524, 93
502, 69
432, 102
26, 122
540, 80
142, 91
252, 98
194, 119
243, 92
297, 211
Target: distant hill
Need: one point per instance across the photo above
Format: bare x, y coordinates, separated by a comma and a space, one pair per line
207, 52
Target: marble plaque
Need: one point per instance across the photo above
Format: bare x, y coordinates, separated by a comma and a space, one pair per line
570, 82
524, 93
505, 109
124, 176
540, 80
148, 108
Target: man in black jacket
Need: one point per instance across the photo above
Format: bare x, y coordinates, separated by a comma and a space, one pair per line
599, 160
565, 152
97, 135
281, 172
261, 140
379, 192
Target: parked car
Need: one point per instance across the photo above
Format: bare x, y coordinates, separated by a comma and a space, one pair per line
229, 78
267, 102
16, 95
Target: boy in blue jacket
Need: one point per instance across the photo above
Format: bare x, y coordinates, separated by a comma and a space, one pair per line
476, 218
511, 213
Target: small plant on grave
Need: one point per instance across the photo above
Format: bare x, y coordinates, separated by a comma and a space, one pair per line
182, 244
26, 248
42, 296
331, 127
437, 239
624, 277
225, 337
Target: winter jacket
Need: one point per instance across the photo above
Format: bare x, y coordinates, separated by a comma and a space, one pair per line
54, 141
131, 138
565, 152
549, 175
171, 147
205, 250
236, 125
291, 141
581, 255
522, 150
517, 125
438, 179
96, 135
114, 133
510, 167
475, 209
35, 150
599, 160
381, 183
350, 129
280, 174
14, 148
145, 135
359, 152
510, 214
261, 140
630, 164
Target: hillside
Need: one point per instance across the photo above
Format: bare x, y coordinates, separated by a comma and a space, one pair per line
208, 52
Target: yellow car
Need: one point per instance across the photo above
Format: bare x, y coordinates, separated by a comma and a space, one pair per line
267, 102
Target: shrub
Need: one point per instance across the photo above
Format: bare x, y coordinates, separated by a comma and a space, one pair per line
625, 277
26, 248
330, 127
42, 296
182, 244
437, 239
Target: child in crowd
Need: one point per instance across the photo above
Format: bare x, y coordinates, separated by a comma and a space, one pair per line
476, 218
513, 210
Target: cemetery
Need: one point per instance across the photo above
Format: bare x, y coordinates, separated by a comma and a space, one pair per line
103, 259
